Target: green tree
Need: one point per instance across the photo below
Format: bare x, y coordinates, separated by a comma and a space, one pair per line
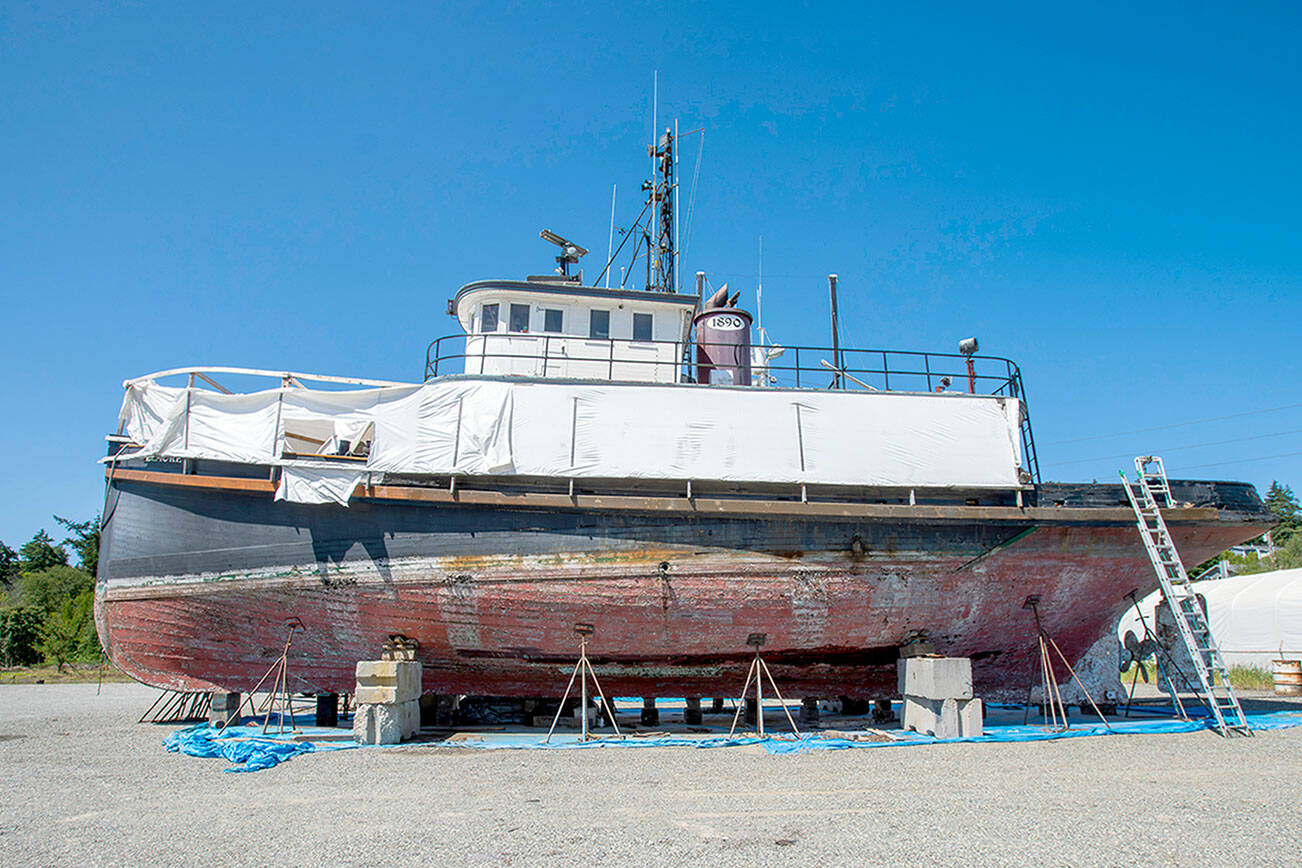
1286, 557
83, 536
68, 634
40, 552
1281, 501
46, 606
20, 632
8, 565
47, 589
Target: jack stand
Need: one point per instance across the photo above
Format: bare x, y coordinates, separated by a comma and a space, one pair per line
758, 668
582, 670
279, 690
1053, 705
279, 701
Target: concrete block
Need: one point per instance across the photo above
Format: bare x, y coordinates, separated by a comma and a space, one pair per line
971, 719
327, 709
386, 682
429, 708
935, 677
809, 711
386, 723
882, 711
224, 709
943, 718
650, 716
692, 711
410, 711
376, 724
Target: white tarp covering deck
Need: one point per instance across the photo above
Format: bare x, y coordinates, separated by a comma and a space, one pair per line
471, 426
1251, 617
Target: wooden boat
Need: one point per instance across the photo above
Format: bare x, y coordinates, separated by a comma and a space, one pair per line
624, 459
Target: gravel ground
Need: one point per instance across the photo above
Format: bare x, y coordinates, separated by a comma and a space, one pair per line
81, 782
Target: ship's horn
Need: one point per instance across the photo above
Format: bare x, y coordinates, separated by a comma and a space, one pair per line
720, 298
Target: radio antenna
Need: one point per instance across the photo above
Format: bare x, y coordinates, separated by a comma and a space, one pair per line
655, 121
610, 245
678, 281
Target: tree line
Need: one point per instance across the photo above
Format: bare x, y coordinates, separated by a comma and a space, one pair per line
1285, 539
46, 604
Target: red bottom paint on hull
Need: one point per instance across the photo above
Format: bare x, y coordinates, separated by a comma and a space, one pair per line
834, 622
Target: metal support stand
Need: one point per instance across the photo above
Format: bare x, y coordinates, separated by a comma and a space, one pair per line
582, 670
1054, 710
279, 695
174, 706
279, 702
759, 668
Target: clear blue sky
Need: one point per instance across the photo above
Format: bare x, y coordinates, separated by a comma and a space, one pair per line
1108, 194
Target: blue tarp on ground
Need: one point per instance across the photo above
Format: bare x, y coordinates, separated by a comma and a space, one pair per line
246, 746
249, 750
1015, 732
787, 743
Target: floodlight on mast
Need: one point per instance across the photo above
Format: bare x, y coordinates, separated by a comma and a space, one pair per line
968, 347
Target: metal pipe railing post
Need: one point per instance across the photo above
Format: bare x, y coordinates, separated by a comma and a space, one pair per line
836, 334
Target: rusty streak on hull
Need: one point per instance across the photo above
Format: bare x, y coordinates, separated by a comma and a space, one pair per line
492, 592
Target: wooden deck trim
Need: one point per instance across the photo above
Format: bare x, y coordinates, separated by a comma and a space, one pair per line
692, 506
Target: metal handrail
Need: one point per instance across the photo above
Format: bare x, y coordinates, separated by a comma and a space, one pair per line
909, 363
283, 376
921, 370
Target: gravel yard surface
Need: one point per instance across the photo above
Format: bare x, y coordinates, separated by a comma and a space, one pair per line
82, 782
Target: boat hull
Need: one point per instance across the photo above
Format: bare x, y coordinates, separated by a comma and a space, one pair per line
199, 584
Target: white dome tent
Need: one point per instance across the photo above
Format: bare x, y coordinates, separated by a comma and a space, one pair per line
1253, 618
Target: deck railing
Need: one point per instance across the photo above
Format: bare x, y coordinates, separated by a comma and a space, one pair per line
799, 367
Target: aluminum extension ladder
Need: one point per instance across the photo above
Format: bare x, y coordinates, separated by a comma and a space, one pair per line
1151, 483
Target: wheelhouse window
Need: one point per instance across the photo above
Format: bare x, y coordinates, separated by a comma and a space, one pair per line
599, 325
641, 326
488, 318
519, 318
553, 320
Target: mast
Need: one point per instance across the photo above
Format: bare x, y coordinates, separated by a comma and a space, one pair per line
678, 282
662, 241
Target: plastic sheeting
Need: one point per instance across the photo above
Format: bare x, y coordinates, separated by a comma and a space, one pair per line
571, 430
250, 751
808, 742
1251, 617
245, 747
318, 485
